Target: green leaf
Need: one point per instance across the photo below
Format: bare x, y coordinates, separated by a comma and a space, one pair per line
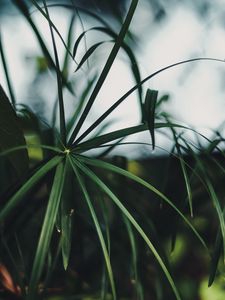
53, 26
4, 62
22, 6
126, 213
117, 134
89, 52
12, 135
125, 96
67, 52
217, 251
47, 229
66, 229
183, 167
134, 252
110, 167
14, 201
97, 225
106, 69
134, 65
59, 81
65, 213
82, 100
149, 106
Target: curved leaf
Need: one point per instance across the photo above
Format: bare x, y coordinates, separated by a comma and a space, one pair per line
89, 52
105, 70
113, 168
128, 93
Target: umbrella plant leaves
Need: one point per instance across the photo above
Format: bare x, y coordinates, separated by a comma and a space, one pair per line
12, 135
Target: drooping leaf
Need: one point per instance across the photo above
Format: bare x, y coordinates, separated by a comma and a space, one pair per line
149, 110
89, 52
134, 65
11, 135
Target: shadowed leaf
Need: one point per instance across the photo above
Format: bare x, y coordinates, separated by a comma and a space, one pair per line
12, 135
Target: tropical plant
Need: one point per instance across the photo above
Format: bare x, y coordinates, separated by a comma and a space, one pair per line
53, 185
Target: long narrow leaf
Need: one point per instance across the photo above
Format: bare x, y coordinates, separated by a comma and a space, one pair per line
97, 226
118, 134
217, 251
213, 195
125, 47
183, 168
139, 292
125, 96
113, 168
126, 213
47, 230
89, 52
22, 6
82, 100
19, 148
5, 66
53, 26
14, 201
106, 69
59, 81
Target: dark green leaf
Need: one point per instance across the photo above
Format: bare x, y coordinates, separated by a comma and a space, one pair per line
106, 69
97, 226
124, 97
113, 168
27, 186
2, 53
89, 52
217, 251
138, 228
12, 135
149, 111
47, 229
